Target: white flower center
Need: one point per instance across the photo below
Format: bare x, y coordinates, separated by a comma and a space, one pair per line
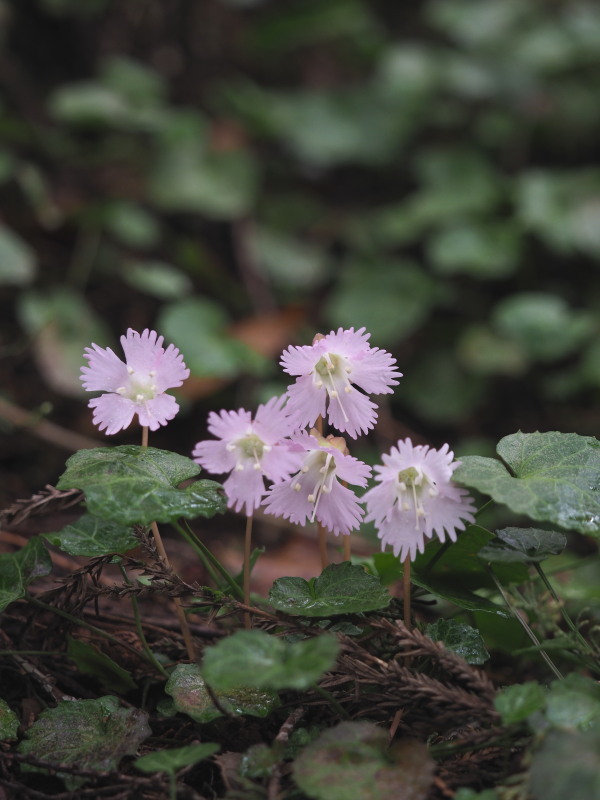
411, 485
317, 475
140, 387
331, 371
249, 450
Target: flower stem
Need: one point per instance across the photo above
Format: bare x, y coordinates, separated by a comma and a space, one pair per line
183, 623
247, 553
179, 610
347, 544
139, 628
212, 564
515, 612
406, 592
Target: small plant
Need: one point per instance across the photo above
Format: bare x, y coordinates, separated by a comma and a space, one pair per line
328, 671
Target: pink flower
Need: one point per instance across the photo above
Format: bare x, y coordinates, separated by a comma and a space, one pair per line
315, 492
135, 386
328, 372
416, 498
250, 450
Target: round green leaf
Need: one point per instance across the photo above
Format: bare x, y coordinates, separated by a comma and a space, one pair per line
90, 536
525, 545
130, 484
17, 259
460, 638
256, 659
17, 570
340, 589
9, 722
170, 761
555, 477
516, 703
187, 688
567, 765
352, 761
88, 734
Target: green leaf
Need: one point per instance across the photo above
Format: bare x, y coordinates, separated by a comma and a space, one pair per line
256, 659
61, 324
190, 696
486, 353
131, 225
542, 324
91, 661
158, 279
459, 561
170, 761
486, 251
86, 734
516, 703
525, 545
289, 260
91, 537
392, 307
567, 765
138, 485
18, 570
460, 638
574, 702
17, 259
189, 321
556, 477
340, 589
471, 794
188, 177
9, 722
353, 761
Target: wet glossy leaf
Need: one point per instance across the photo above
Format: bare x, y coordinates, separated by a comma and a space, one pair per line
460, 638
340, 589
170, 761
525, 545
89, 734
555, 477
90, 536
18, 570
256, 659
9, 722
91, 661
516, 703
130, 484
190, 696
352, 761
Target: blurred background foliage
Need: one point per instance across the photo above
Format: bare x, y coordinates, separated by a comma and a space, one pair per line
240, 174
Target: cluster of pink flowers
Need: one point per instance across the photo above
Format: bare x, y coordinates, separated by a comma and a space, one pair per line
308, 474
